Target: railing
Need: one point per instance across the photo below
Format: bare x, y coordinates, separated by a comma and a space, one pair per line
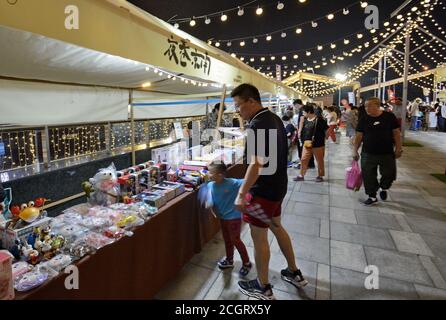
28, 146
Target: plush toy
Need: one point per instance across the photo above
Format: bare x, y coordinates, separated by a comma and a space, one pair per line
5, 202
105, 186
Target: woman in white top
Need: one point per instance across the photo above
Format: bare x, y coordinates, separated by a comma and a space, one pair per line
414, 110
332, 120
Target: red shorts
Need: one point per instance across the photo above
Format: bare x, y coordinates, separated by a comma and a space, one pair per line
259, 211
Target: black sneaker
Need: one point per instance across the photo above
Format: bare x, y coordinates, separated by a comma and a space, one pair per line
295, 278
370, 202
225, 264
383, 195
244, 270
253, 289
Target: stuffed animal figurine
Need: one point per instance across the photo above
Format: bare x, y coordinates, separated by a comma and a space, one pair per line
105, 186
5, 202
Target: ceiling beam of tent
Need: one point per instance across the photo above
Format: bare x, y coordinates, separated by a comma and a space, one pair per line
400, 80
184, 96
401, 7
311, 77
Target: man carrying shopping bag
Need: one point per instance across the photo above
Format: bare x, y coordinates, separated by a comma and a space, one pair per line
380, 136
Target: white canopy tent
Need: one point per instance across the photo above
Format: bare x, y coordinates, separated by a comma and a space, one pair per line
52, 75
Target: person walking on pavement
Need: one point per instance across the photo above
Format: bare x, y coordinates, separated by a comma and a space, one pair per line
314, 134
380, 136
265, 186
297, 121
332, 121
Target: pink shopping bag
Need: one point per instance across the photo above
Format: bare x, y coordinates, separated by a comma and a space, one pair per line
353, 177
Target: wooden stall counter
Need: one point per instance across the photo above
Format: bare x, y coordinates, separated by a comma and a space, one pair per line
139, 266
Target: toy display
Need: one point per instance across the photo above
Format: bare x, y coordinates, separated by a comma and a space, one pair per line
169, 193
128, 185
152, 199
177, 187
26, 214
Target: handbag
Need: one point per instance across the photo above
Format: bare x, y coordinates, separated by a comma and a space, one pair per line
353, 177
309, 143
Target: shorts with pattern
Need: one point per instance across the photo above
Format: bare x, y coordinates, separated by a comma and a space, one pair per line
259, 211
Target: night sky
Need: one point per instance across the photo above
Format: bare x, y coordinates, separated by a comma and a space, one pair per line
292, 14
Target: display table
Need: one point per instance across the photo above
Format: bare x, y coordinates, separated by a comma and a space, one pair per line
138, 267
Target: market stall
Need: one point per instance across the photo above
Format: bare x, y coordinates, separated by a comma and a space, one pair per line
138, 267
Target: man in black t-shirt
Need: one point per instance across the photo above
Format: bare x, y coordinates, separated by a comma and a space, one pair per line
265, 185
380, 135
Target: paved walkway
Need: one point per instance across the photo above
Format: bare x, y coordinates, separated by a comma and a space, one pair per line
335, 237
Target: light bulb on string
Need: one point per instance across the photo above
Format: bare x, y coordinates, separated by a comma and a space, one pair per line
240, 12
259, 11
314, 24
207, 20
224, 17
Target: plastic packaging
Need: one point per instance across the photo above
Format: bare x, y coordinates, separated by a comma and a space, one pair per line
31, 280
97, 240
205, 196
71, 217
59, 262
20, 268
71, 232
79, 249
106, 213
114, 232
93, 223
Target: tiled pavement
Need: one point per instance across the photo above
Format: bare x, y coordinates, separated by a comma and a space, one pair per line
335, 237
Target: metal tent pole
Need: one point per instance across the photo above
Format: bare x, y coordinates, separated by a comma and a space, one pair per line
405, 82
380, 72
132, 126
384, 78
221, 110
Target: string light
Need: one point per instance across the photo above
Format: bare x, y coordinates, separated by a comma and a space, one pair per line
313, 23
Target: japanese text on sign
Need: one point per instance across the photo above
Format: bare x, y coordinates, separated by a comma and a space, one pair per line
183, 55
